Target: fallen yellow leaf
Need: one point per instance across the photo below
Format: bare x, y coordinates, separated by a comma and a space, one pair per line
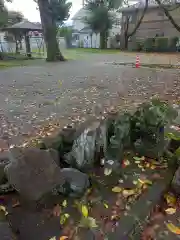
127, 193
64, 203
107, 171
170, 199
153, 167
147, 165
170, 211
173, 228
63, 238
126, 162
84, 211
105, 205
2, 208
135, 182
63, 218
146, 181
117, 189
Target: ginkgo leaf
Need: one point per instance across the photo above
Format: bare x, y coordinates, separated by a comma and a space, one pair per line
146, 181
173, 228
84, 211
63, 238
92, 222
53, 238
153, 167
170, 199
126, 162
107, 171
127, 193
117, 189
137, 162
63, 218
64, 203
170, 211
139, 158
135, 182
105, 205
2, 208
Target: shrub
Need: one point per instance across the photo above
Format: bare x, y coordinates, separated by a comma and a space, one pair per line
161, 44
147, 127
172, 44
137, 46
149, 45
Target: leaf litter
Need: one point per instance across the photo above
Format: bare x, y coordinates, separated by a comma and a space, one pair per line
116, 210
101, 208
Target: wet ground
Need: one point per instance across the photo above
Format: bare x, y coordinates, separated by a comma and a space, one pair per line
109, 198
34, 95
71, 91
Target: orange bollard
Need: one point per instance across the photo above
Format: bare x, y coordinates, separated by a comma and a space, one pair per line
137, 62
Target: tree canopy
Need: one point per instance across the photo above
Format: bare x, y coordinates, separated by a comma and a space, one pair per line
60, 10
101, 18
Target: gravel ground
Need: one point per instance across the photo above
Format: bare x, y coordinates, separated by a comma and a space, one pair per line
33, 96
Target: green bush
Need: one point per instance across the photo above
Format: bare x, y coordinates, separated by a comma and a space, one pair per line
138, 46
172, 44
161, 44
149, 45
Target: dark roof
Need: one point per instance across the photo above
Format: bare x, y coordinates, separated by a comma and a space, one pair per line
25, 25
86, 30
151, 4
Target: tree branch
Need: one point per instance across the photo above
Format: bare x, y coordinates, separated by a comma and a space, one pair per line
168, 15
140, 20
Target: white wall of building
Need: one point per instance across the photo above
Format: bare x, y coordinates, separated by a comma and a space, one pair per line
88, 42
78, 24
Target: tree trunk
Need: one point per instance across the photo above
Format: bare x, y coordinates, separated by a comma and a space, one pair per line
50, 31
17, 49
28, 46
103, 41
20, 44
91, 40
126, 42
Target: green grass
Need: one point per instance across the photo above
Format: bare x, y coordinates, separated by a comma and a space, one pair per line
19, 63
11, 63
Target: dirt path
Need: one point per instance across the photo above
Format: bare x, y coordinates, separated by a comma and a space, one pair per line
32, 96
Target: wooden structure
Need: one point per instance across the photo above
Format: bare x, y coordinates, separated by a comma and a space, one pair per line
23, 28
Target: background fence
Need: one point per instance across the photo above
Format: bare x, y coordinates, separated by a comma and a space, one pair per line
38, 47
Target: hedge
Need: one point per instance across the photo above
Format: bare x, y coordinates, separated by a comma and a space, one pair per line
149, 45
161, 44
157, 44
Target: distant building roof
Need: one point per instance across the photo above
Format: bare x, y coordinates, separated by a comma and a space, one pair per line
25, 25
86, 30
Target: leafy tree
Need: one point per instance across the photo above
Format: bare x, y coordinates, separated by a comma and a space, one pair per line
60, 9
168, 6
126, 32
14, 17
100, 18
53, 12
66, 32
3, 14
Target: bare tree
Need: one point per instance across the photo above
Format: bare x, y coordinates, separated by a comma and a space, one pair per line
126, 32
168, 6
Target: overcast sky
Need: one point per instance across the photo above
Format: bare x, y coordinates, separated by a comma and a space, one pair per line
28, 8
